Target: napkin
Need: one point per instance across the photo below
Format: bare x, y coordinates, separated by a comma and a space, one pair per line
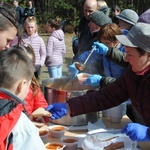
98, 126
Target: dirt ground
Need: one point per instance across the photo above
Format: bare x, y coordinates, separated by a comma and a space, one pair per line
67, 57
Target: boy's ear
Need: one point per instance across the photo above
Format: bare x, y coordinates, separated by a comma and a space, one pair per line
21, 85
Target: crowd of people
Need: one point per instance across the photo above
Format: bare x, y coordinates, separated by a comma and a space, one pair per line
45, 54
23, 13
120, 66
124, 44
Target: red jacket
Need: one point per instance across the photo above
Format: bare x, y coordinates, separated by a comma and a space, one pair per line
10, 111
34, 101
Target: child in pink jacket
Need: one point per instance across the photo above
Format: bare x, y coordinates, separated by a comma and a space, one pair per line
32, 38
55, 48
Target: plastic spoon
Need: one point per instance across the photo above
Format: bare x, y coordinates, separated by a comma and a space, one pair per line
68, 128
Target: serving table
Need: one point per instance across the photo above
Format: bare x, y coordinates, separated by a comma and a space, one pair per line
125, 120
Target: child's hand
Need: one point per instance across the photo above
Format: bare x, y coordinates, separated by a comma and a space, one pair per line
41, 112
38, 121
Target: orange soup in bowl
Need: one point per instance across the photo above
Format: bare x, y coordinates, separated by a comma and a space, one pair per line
54, 146
69, 140
60, 128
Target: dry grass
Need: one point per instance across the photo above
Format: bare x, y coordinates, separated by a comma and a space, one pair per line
67, 57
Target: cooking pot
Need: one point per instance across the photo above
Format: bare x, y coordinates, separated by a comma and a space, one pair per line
60, 90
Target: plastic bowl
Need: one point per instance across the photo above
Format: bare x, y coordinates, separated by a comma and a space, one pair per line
54, 146
82, 77
70, 142
44, 134
57, 131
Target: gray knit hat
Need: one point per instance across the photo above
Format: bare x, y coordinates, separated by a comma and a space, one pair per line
138, 36
99, 18
129, 16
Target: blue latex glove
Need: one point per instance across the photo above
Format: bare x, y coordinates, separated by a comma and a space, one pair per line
72, 68
57, 110
136, 132
100, 48
93, 80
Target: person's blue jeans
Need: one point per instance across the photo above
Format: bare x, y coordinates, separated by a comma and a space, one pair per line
55, 71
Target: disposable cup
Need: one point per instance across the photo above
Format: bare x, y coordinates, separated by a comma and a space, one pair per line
116, 113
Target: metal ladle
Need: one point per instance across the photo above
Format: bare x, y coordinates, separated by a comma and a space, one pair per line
82, 66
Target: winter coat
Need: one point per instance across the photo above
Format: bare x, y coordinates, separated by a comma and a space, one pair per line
85, 36
19, 14
38, 45
29, 11
116, 56
17, 131
32, 102
55, 49
112, 69
129, 85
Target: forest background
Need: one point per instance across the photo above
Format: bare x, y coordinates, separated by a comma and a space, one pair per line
72, 10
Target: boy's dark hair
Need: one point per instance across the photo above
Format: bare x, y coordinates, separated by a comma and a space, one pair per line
14, 65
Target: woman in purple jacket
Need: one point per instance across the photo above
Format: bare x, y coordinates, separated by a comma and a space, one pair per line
55, 48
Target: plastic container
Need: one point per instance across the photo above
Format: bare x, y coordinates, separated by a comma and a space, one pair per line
57, 131
116, 113
70, 142
44, 134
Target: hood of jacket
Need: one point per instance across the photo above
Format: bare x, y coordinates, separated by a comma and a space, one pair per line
58, 34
